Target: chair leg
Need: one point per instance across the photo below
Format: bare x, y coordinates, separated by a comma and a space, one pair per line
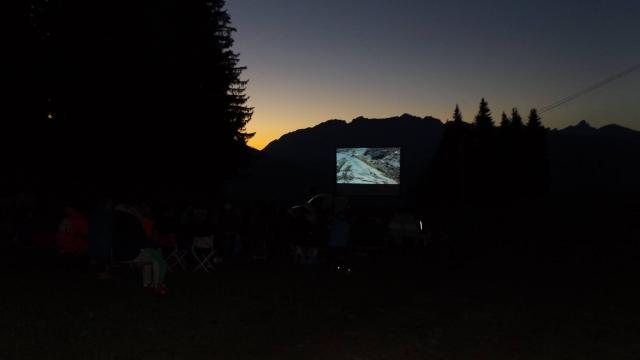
181, 261
204, 261
176, 258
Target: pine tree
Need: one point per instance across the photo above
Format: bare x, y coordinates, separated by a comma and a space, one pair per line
457, 115
516, 119
208, 94
208, 72
484, 120
535, 155
505, 123
238, 114
166, 74
534, 121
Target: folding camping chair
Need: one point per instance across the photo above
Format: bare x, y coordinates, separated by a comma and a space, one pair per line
176, 255
203, 252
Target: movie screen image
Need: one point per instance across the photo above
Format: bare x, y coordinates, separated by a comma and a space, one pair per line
368, 166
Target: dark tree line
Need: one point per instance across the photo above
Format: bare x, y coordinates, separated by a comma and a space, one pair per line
486, 187
127, 95
482, 165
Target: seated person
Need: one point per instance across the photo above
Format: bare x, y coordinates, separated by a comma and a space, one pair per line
71, 239
100, 228
131, 245
340, 243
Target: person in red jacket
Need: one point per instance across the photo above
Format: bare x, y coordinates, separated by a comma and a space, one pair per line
72, 233
71, 238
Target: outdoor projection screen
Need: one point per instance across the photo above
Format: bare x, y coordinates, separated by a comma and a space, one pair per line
368, 166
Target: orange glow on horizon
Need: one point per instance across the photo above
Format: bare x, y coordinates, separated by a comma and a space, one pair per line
265, 132
271, 122
259, 142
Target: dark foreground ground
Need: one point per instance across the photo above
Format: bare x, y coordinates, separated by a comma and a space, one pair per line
264, 312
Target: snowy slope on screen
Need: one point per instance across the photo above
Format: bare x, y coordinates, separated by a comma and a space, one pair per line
375, 166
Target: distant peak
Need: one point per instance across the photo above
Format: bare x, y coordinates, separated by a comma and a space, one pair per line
584, 125
329, 124
404, 116
618, 131
332, 122
583, 128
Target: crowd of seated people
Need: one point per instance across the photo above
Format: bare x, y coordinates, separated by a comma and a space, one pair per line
104, 233
92, 235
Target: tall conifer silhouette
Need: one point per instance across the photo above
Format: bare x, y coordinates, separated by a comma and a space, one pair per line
484, 120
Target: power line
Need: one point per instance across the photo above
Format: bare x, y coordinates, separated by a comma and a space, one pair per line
589, 89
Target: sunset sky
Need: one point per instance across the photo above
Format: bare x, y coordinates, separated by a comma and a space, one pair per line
310, 61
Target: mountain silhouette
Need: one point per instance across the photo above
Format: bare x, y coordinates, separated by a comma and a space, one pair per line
591, 162
314, 149
585, 162
581, 128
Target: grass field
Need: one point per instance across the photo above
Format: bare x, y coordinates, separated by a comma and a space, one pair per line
264, 312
